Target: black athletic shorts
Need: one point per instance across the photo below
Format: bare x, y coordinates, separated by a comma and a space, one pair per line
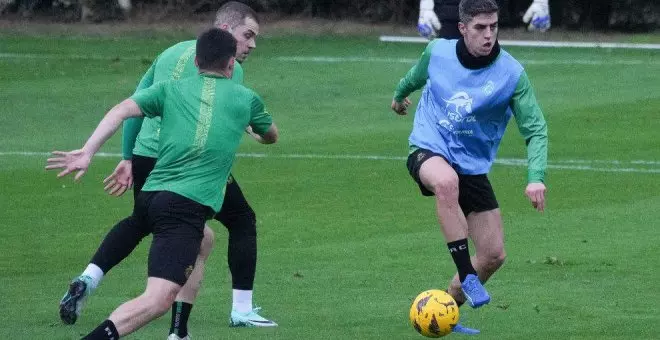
177, 225
234, 206
475, 194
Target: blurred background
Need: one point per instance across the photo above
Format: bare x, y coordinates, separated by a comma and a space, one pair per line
599, 15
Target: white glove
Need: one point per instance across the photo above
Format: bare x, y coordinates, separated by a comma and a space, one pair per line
538, 16
428, 23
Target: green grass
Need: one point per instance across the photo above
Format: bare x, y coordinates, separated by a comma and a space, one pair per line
344, 245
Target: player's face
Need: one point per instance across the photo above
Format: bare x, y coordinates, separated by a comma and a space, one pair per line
246, 35
480, 34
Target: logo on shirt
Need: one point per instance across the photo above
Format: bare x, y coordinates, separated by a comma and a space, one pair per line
488, 88
459, 110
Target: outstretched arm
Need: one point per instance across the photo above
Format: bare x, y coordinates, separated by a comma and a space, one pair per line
414, 80
78, 160
416, 77
533, 128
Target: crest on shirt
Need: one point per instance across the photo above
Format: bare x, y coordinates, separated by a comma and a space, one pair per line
488, 88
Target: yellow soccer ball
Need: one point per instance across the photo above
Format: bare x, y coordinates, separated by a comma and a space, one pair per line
434, 313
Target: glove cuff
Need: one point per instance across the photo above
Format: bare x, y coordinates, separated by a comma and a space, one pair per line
427, 5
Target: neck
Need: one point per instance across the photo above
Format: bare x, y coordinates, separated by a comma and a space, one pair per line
469, 60
218, 73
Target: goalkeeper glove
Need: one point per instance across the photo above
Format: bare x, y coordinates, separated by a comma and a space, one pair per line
538, 16
428, 22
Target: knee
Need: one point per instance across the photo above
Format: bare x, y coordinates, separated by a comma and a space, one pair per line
207, 243
446, 188
159, 304
495, 260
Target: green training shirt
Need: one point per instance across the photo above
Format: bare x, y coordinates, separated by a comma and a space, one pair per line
203, 119
140, 136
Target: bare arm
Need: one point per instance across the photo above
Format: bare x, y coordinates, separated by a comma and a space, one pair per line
268, 137
79, 160
110, 123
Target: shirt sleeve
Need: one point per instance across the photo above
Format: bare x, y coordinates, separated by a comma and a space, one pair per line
260, 120
416, 78
151, 100
131, 127
533, 128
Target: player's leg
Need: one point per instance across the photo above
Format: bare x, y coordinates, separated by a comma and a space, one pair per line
484, 227
132, 315
177, 224
488, 237
183, 303
241, 223
436, 177
485, 230
120, 241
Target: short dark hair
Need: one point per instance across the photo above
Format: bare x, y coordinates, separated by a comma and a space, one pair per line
468, 9
215, 47
234, 13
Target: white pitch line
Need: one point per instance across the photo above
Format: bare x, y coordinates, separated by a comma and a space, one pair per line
328, 59
70, 56
580, 165
338, 59
536, 43
584, 62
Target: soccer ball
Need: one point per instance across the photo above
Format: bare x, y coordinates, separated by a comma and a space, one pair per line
434, 313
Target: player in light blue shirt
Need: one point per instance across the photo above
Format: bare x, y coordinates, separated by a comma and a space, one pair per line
471, 88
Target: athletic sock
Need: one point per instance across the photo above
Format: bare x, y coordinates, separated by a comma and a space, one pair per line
105, 331
95, 273
242, 301
461, 255
180, 314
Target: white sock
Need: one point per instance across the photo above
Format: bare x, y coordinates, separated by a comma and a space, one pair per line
242, 301
94, 272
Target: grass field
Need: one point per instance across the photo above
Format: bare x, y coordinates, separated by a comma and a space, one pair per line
345, 240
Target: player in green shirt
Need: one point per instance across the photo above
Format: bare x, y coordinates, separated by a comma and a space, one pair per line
203, 118
140, 148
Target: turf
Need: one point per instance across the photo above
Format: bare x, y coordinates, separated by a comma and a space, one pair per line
344, 243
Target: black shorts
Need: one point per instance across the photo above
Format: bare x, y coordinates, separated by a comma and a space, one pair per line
475, 194
234, 206
177, 225
142, 167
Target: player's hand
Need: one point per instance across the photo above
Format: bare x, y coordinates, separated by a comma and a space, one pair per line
536, 194
428, 23
120, 180
401, 108
538, 16
254, 135
71, 161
